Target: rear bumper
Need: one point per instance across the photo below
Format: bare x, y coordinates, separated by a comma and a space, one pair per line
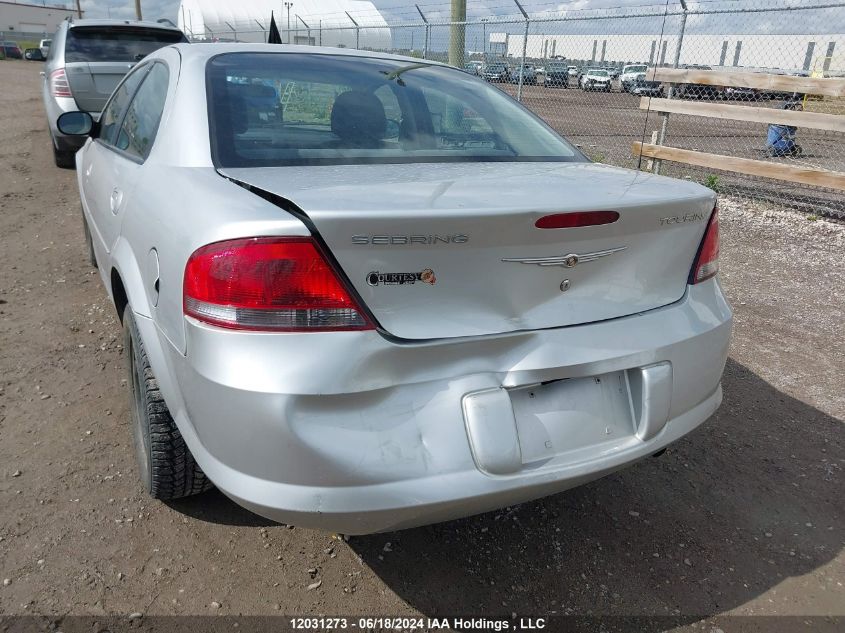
352, 433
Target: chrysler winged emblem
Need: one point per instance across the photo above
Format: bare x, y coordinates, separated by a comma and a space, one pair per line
567, 261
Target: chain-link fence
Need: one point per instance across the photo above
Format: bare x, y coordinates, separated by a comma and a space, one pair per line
583, 71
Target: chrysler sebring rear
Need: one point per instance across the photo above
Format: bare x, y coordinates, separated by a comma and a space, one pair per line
363, 292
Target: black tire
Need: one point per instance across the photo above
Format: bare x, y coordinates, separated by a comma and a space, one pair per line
166, 467
65, 160
89, 243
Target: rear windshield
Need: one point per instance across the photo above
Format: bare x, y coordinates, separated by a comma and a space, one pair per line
635, 69
306, 109
598, 73
116, 44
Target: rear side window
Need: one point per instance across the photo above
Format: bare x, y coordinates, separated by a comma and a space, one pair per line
116, 44
113, 112
144, 114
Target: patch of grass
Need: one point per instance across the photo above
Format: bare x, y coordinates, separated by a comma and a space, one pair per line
712, 182
596, 157
826, 105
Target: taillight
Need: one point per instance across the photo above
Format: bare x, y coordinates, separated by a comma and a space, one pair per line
268, 283
706, 262
59, 86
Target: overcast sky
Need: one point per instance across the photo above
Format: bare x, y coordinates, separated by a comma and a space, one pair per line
831, 20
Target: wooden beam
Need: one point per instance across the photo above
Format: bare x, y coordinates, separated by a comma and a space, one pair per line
812, 120
831, 87
751, 167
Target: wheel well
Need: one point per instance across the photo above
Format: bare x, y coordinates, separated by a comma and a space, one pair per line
118, 293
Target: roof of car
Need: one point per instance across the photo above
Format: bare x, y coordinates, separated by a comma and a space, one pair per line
207, 50
133, 23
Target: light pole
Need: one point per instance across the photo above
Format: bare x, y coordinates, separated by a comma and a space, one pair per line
138, 9
288, 6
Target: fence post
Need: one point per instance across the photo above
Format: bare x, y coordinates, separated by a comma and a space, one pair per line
664, 124
263, 30
425, 44
524, 51
357, 30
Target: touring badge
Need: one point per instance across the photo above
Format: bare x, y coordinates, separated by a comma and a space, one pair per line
376, 278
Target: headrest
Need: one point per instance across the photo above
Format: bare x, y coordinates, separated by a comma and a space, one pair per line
358, 118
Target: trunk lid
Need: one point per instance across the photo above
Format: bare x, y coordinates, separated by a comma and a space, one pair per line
92, 83
426, 245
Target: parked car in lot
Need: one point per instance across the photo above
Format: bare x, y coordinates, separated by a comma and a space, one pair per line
596, 79
643, 88
497, 71
44, 45
11, 50
630, 74
698, 91
473, 68
529, 74
88, 59
349, 324
33, 55
742, 94
556, 74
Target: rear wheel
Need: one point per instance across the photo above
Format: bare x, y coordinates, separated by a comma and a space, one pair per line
65, 160
166, 466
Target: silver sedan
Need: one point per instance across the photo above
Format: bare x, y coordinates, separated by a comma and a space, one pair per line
363, 292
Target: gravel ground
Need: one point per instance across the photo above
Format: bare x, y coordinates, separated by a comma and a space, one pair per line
745, 516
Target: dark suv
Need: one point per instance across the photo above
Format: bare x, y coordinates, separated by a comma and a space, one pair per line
557, 74
86, 61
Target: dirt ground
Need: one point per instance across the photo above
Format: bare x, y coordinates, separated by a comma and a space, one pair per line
744, 516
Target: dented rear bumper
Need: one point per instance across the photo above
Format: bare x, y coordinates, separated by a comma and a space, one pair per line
354, 433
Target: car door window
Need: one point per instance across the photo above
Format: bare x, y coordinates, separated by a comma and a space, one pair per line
140, 124
113, 112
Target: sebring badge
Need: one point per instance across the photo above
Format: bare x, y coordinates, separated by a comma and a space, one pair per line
567, 261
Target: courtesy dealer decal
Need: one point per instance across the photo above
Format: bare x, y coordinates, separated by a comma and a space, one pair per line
376, 278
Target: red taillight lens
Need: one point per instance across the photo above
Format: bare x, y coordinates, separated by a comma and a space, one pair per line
59, 86
576, 219
706, 262
268, 283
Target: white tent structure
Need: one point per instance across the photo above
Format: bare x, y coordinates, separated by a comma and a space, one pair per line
344, 23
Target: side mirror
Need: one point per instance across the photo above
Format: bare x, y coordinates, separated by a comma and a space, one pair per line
34, 55
75, 123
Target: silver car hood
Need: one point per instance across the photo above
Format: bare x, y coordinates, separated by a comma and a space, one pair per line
463, 221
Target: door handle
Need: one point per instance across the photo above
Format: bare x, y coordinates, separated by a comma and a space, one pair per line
116, 199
